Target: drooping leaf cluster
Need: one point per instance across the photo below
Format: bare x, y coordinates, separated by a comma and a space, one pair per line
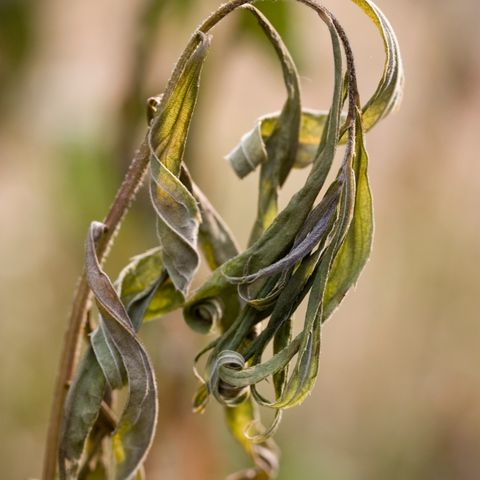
313, 249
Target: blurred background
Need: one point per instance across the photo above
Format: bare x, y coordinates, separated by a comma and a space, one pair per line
399, 388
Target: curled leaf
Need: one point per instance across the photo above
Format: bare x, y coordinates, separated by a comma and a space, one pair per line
81, 410
301, 268
389, 92
386, 98
177, 210
281, 146
134, 433
355, 249
146, 292
146, 276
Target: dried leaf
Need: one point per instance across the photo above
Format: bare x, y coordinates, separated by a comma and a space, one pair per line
147, 293
80, 412
177, 210
389, 92
228, 366
386, 98
355, 249
134, 433
218, 245
277, 154
138, 279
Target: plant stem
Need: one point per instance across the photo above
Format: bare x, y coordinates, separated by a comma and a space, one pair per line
81, 302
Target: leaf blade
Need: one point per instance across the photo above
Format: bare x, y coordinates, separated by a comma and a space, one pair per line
177, 211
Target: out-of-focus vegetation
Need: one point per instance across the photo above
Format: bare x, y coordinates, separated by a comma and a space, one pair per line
398, 391
16, 41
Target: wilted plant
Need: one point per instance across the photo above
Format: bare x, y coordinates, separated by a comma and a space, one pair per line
310, 248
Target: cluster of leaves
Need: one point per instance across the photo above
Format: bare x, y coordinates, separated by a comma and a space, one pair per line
314, 248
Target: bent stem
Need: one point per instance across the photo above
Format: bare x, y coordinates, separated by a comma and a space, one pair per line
81, 302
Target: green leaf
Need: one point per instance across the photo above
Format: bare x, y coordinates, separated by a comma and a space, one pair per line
277, 154
356, 247
280, 235
215, 238
312, 123
386, 98
177, 210
134, 433
139, 278
389, 92
147, 293
80, 412
107, 356
240, 420
323, 216
217, 245
305, 372
227, 365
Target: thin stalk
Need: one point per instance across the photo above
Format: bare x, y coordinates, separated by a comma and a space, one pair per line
81, 304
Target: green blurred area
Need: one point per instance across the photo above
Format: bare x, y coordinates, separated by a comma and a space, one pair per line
397, 396
17, 37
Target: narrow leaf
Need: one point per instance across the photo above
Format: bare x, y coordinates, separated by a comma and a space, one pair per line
356, 247
134, 434
82, 407
178, 214
143, 274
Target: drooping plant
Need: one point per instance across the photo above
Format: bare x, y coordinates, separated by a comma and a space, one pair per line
314, 248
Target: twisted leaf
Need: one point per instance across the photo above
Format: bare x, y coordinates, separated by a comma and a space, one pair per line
136, 427
355, 249
228, 366
389, 92
146, 292
178, 214
146, 276
277, 154
81, 410
386, 98
218, 245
